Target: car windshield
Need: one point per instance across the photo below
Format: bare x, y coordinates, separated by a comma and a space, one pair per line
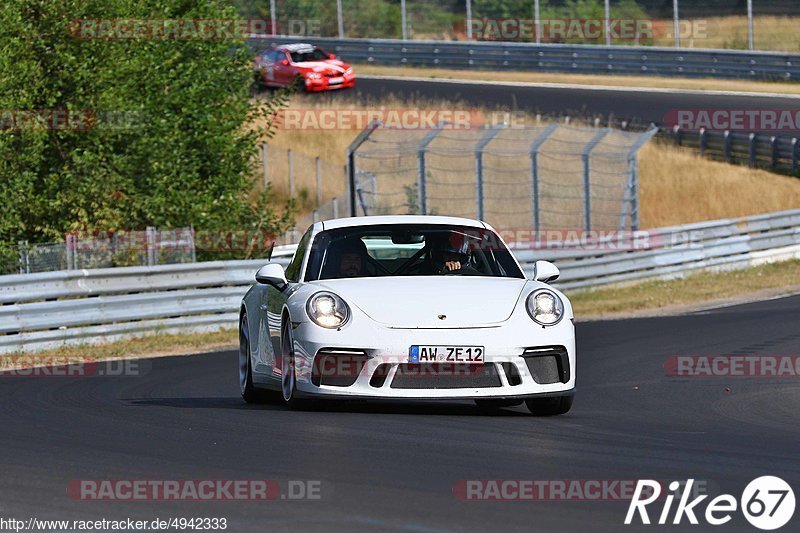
409, 250
304, 55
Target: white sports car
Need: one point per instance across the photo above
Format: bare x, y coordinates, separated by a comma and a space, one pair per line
407, 307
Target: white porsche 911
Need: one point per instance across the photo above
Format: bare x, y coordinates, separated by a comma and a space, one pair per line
407, 307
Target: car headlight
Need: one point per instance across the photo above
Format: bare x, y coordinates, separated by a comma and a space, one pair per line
545, 307
349, 70
327, 310
313, 75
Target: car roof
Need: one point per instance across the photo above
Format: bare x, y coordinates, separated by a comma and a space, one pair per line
294, 47
399, 219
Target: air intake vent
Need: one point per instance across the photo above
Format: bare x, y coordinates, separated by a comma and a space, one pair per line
379, 376
512, 374
337, 368
547, 364
445, 376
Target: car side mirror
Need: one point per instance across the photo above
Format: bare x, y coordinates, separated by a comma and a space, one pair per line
331, 56
284, 62
545, 271
272, 274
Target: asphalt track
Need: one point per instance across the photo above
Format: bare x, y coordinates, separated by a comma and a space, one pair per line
392, 467
637, 106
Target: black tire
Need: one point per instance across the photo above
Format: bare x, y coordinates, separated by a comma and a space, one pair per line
289, 391
250, 393
300, 84
552, 406
488, 404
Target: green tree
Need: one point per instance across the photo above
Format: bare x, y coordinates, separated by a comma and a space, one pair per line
167, 141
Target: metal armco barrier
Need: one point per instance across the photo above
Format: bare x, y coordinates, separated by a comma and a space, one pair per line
48, 310
583, 59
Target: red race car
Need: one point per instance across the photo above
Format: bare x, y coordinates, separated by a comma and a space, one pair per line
306, 66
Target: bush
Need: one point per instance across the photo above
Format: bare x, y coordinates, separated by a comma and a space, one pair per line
166, 142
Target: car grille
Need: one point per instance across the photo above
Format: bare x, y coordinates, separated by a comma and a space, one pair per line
547, 364
445, 376
336, 367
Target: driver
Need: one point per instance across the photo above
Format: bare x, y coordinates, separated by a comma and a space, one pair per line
450, 254
349, 255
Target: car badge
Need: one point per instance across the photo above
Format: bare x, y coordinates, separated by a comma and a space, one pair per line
442, 317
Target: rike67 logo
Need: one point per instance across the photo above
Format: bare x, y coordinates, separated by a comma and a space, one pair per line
767, 503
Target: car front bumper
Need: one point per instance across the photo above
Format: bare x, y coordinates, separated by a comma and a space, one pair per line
364, 367
323, 84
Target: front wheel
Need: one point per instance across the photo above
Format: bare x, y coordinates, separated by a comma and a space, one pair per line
552, 406
288, 374
249, 392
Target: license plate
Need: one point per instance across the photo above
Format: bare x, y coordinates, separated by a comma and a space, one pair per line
445, 354
334, 81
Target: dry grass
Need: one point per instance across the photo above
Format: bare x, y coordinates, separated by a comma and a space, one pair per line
704, 84
677, 186
770, 33
694, 289
151, 345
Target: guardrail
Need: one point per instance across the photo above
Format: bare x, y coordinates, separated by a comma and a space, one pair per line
581, 59
42, 311
776, 152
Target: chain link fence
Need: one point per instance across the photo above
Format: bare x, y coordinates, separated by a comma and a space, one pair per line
318, 186
722, 24
105, 249
538, 177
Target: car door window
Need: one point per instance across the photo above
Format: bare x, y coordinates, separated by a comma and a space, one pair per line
293, 270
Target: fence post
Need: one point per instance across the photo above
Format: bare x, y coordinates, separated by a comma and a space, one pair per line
192, 245
773, 144
264, 163
340, 18
535, 146
752, 149
350, 168
794, 154
24, 261
587, 183
632, 185
676, 27
422, 186
676, 130
727, 136
701, 141
486, 139
151, 245
403, 22
70, 251
290, 160
335, 202
319, 182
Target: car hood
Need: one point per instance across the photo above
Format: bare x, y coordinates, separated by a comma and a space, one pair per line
332, 66
418, 302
